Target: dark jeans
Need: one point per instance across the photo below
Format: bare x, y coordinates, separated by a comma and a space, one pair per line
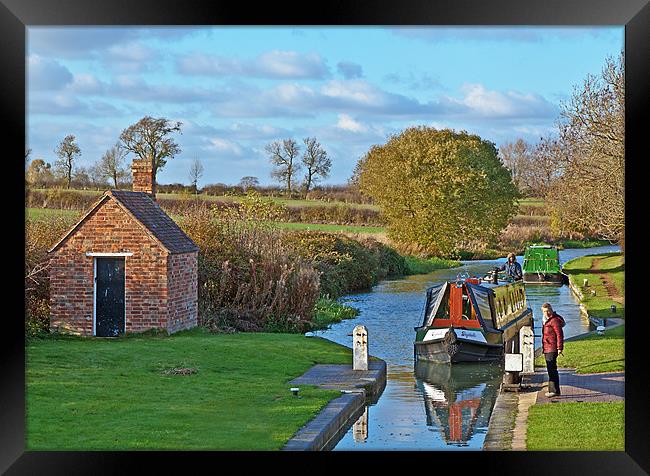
551, 368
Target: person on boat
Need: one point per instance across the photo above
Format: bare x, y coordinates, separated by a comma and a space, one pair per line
552, 345
512, 268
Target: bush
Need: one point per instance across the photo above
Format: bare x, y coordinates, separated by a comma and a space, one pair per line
40, 235
248, 279
346, 265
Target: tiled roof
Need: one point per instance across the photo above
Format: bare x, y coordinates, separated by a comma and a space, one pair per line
146, 211
149, 213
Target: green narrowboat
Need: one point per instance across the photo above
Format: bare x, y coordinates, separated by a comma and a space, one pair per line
542, 265
471, 320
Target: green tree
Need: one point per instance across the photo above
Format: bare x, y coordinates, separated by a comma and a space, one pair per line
316, 161
284, 155
67, 152
111, 165
439, 189
149, 139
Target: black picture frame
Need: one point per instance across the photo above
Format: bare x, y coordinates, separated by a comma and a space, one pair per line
16, 15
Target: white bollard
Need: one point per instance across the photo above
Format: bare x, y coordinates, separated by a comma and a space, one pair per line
527, 348
360, 427
360, 348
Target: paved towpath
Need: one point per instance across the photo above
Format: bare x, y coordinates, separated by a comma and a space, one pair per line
509, 421
598, 387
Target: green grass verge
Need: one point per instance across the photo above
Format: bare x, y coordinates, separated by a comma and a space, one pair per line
41, 213
111, 394
329, 311
423, 266
612, 265
576, 426
593, 353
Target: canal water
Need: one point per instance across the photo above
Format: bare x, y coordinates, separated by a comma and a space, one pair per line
434, 407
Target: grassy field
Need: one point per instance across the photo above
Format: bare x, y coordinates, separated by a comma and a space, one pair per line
593, 353
38, 213
576, 426
230, 198
113, 394
606, 276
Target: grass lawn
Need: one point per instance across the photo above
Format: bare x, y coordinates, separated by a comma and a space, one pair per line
593, 353
606, 276
111, 394
576, 426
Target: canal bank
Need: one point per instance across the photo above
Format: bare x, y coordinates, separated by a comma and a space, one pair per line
359, 387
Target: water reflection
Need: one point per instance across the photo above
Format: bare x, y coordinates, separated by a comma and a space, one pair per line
458, 399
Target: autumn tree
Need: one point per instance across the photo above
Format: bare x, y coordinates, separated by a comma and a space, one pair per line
439, 189
67, 152
283, 155
589, 197
111, 165
39, 173
316, 161
248, 182
149, 138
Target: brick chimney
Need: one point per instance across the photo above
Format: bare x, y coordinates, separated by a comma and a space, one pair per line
143, 180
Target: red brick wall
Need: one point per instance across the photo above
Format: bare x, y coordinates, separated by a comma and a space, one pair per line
148, 300
183, 291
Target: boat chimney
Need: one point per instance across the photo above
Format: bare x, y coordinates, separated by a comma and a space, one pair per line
495, 276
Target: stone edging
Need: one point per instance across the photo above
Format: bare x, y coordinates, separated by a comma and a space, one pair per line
321, 433
324, 431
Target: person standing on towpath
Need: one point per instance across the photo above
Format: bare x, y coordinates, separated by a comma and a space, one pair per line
552, 344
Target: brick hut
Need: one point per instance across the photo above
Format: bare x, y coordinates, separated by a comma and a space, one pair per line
124, 267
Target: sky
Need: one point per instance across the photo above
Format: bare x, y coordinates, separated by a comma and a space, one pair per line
235, 89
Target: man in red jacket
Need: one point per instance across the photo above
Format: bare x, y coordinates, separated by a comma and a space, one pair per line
552, 344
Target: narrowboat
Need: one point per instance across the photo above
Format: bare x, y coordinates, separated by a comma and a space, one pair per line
542, 266
471, 320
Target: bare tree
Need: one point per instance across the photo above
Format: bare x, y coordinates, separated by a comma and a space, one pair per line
111, 165
590, 196
68, 152
248, 182
516, 156
196, 171
283, 156
149, 139
316, 161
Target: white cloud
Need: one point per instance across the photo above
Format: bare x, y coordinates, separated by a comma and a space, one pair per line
275, 64
345, 122
44, 74
223, 145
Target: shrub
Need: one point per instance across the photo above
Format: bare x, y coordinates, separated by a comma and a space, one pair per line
248, 279
346, 265
40, 235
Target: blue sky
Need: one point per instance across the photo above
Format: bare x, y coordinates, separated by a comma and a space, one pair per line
235, 89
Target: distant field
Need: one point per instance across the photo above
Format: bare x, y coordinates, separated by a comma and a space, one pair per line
228, 198
38, 213
532, 202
